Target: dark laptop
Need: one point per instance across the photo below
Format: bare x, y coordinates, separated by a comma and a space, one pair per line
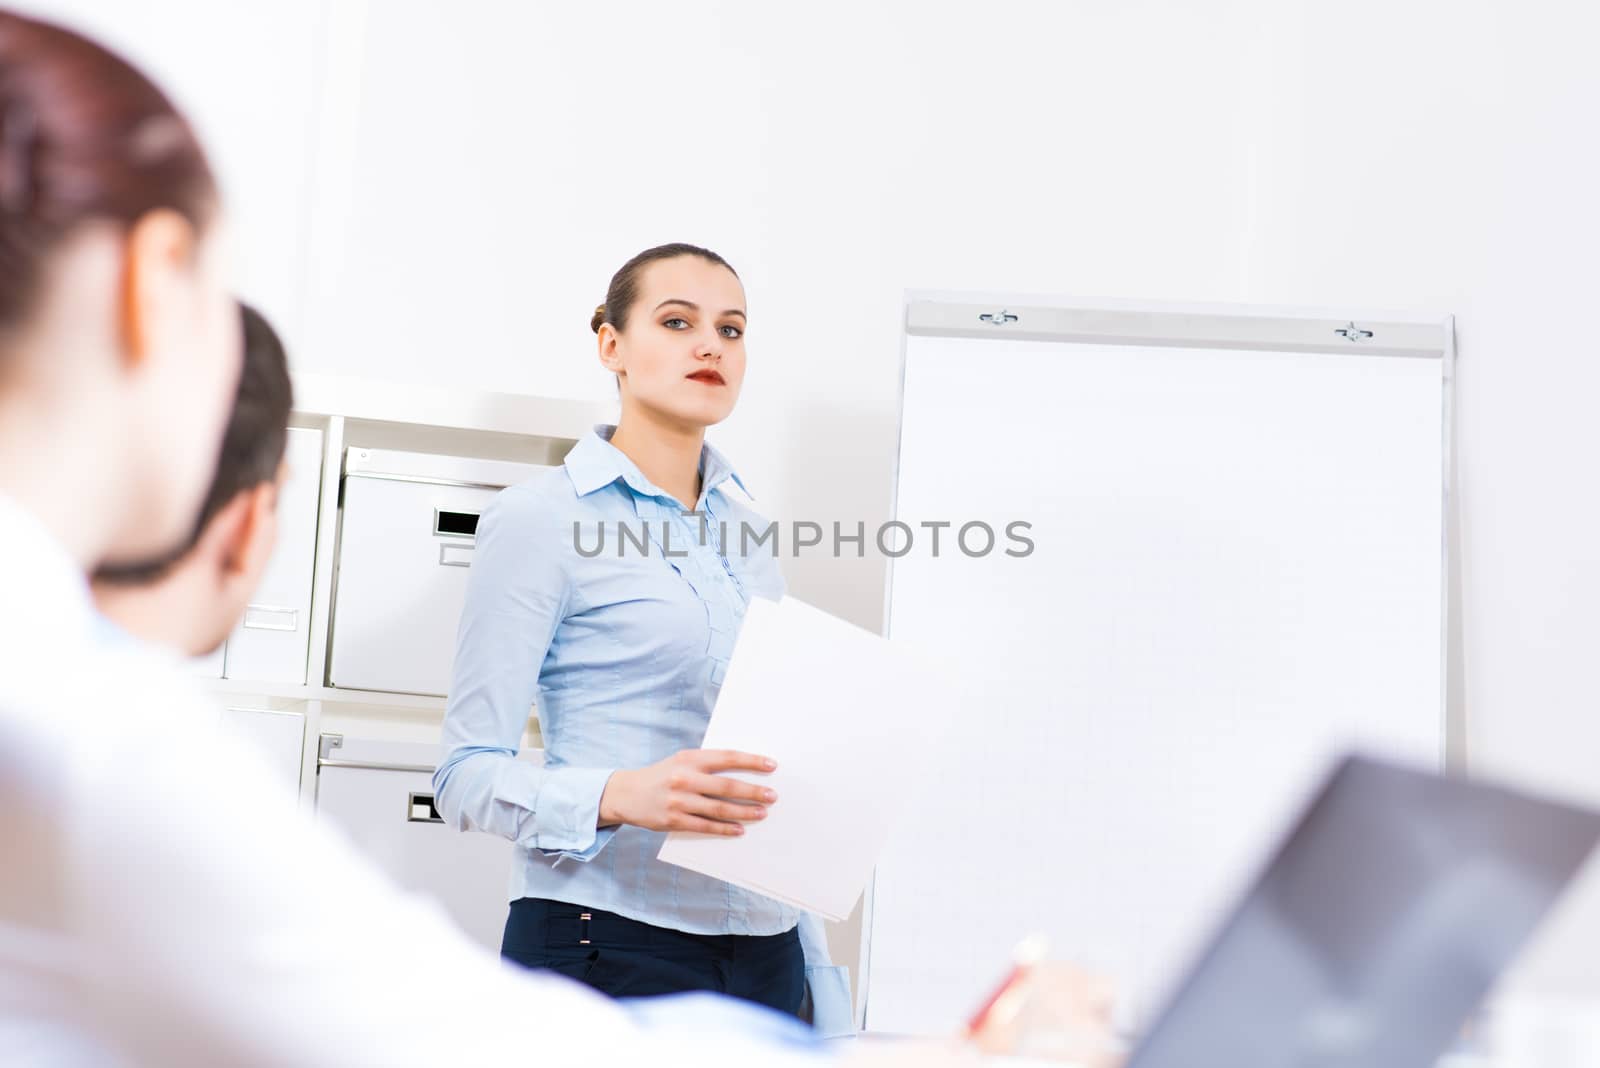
1377, 929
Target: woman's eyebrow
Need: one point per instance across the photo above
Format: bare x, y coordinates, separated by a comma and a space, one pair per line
692, 306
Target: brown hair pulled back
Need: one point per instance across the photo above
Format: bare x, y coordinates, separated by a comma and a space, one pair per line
83, 137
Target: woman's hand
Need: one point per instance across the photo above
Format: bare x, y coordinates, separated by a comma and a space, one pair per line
1053, 1012
685, 793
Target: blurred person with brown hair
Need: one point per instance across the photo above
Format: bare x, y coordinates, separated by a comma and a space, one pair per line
190, 599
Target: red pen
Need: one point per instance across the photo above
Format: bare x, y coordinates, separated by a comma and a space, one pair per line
1029, 952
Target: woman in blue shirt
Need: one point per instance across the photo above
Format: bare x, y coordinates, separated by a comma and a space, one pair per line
604, 591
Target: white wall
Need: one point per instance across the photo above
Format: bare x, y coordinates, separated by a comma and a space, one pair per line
480, 168
247, 75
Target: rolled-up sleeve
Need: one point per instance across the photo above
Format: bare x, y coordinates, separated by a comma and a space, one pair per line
518, 593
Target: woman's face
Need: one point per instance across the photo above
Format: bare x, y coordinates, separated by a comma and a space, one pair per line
180, 386
680, 353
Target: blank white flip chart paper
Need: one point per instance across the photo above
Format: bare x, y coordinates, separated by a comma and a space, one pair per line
848, 717
1237, 574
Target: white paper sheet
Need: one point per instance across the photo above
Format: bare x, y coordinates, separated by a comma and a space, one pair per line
849, 718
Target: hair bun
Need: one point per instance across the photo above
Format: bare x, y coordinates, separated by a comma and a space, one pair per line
597, 318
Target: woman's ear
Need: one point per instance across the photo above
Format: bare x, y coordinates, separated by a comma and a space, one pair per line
610, 357
159, 252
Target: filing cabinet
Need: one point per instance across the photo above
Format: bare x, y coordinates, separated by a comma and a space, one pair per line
271, 641
406, 538
276, 736
380, 795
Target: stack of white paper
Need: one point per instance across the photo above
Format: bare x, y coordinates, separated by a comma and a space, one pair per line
850, 718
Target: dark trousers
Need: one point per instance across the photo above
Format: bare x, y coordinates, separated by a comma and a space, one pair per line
625, 958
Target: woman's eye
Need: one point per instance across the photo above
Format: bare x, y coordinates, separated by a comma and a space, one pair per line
731, 332
675, 323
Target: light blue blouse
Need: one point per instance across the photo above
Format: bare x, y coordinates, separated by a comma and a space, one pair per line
595, 596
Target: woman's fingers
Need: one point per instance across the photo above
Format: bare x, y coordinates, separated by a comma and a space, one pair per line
731, 811
703, 826
732, 789
714, 760
707, 803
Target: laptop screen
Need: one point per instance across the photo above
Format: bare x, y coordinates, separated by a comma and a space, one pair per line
1383, 919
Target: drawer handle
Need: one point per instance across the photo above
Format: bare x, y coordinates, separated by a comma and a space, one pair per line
455, 524
455, 556
271, 617
421, 809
